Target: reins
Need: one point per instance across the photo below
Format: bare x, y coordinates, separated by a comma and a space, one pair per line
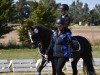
39, 45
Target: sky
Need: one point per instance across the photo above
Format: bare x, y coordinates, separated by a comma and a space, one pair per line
91, 3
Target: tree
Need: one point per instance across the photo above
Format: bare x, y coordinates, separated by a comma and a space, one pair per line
42, 15
95, 15
7, 14
48, 3
72, 11
19, 5
85, 8
97, 7
85, 14
79, 12
76, 11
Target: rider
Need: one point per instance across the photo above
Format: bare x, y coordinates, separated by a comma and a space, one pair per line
59, 45
65, 21
64, 8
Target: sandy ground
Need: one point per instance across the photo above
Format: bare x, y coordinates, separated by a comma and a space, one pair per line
92, 34
10, 37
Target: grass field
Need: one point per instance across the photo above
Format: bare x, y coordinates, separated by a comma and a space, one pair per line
32, 53
19, 54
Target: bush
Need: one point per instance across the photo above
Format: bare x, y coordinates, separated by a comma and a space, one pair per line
23, 33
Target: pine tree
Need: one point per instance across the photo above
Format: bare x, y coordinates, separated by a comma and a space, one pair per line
6, 15
48, 3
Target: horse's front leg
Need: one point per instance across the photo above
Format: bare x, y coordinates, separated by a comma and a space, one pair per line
41, 67
74, 66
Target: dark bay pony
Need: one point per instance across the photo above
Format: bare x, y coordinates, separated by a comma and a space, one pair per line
42, 35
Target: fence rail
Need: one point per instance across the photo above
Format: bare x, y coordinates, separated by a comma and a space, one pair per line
29, 65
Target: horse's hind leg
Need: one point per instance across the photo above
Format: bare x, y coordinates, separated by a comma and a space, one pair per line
74, 66
88, 64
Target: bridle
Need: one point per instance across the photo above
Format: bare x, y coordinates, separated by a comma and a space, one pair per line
37, 40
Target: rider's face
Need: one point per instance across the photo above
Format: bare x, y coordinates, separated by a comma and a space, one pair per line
60, 27
63, 12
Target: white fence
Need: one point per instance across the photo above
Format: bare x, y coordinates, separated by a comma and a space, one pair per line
20, 65
4, 66
97, 63
29, 65
79, 66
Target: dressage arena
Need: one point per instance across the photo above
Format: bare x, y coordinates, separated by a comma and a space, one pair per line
91, 33
28, 67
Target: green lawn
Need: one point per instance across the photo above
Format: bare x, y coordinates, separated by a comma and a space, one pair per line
19, 54
96, 51
32, 53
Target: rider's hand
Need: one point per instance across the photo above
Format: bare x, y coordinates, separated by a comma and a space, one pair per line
46, 57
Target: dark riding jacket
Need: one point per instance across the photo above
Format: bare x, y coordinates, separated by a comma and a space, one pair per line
59, 43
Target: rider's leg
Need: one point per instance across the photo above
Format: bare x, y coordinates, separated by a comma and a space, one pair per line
60, 62
53, 67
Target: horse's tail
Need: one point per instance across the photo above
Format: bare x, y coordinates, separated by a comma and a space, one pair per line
86, 54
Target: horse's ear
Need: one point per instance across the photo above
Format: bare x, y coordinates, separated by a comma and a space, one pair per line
36, 31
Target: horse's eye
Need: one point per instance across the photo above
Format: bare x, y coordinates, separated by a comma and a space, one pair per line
36, 31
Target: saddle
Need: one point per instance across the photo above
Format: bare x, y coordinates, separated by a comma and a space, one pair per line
74, 45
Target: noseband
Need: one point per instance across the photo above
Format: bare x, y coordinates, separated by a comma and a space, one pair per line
34, 38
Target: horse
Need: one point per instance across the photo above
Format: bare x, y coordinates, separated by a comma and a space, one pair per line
41, 37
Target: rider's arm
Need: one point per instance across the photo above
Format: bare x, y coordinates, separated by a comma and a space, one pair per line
69, 37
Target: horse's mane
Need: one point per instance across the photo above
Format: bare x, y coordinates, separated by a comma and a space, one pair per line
42, 27
45, 35
39, 25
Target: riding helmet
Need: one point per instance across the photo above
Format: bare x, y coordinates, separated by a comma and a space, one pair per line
60, 21
63, 7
